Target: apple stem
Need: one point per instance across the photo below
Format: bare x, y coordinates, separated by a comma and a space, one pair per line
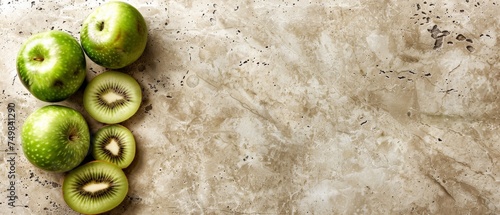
72, 134
72, 137
38, 58
101, 26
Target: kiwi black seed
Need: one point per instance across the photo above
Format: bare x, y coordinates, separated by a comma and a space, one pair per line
115, 144
112, 97
95, 187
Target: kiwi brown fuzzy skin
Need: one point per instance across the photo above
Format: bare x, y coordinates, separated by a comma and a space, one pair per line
115, 144
95, 187
112, 97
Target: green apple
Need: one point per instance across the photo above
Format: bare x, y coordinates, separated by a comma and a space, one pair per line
114, 35
55, 138
51, 65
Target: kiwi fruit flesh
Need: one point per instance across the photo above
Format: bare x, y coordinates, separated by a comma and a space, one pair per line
95, 187
112, 97
115, 144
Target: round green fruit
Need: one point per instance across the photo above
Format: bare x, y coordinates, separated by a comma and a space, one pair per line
55, 138
115, 144
114, 35
95, 187
112, 97
51, 65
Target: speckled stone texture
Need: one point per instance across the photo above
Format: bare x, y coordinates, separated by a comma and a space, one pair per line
290, 107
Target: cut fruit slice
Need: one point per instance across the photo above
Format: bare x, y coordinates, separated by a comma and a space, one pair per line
112, 97
115, 144
95, 187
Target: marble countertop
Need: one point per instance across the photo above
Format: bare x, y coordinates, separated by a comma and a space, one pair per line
289, 107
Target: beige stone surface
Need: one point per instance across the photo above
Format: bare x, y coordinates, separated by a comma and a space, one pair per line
289, 107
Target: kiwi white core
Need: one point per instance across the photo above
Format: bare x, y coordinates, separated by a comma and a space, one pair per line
113, 147
111, 97
93, 187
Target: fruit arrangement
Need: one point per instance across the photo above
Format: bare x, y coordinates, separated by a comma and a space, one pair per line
52, 67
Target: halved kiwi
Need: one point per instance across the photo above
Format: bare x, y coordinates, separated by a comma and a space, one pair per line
112, 97
95, 187
115, 144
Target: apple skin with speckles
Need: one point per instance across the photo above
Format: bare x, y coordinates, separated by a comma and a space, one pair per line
55, 138
51, 65
114, 35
